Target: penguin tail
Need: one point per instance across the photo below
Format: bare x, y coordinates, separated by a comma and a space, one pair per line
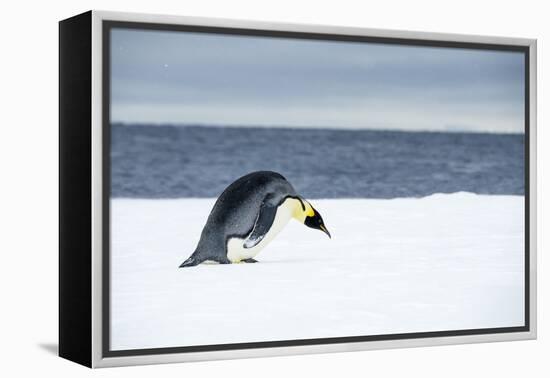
191, 261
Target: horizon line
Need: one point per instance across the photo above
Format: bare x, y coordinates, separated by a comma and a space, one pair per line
309, 127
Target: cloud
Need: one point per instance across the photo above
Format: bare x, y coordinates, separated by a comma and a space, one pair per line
181, 77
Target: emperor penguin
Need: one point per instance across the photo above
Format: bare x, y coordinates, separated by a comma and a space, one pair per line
248, 215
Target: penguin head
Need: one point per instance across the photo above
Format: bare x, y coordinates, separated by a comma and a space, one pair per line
314, 220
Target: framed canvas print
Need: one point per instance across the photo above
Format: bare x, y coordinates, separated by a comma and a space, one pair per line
237, 189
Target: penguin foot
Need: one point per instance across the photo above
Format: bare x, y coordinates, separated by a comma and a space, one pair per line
250, 261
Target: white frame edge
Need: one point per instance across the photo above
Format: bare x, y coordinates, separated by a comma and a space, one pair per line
97, 358
97, 189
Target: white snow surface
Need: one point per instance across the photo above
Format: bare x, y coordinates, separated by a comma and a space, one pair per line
438, 263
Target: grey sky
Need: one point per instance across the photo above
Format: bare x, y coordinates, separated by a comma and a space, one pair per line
195, 78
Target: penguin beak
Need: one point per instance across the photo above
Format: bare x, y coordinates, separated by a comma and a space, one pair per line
324, 229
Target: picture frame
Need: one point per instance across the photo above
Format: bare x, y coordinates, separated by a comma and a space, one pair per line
86, 179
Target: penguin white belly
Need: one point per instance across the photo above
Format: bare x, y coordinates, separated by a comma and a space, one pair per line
235, 246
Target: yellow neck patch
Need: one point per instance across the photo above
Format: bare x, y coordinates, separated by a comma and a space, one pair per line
299, 213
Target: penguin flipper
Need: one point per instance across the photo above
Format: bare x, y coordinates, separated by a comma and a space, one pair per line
263, 223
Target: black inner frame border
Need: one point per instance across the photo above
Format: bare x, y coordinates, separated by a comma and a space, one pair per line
108, 25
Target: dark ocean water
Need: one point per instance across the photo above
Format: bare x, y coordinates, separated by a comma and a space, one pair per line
195, 161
